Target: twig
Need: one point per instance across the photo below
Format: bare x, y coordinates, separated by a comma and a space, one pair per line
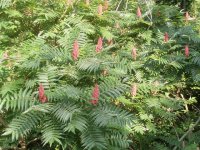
196, 108
126, 5
63, 15
118, 5
149, 12
189, 130
32, 141
176, 132
3, 122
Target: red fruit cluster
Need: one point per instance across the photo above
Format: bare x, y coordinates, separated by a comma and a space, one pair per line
99, 45
139, 13
187, 52
95, 95
42, 96
166, 37
75, 52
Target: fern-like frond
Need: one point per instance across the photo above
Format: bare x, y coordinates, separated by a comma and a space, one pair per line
112, 88
23, 124
118, 141
5, 3
31, 64
93, 138
65, 111
46, 108
48, 77
51, 132
10, 86
196, 58
63, 92
111, 116
18, 101
78, 122
90, 64
55, 54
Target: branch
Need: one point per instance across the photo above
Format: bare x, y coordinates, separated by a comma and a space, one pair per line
118, 5
190, 129
176, 133
3, 122
149, 11
32, 141
126, 5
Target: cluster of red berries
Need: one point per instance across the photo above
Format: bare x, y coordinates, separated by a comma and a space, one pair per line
166, 39
42, 96
99, 46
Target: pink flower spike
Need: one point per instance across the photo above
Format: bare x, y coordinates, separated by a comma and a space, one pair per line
44, 99
95, 95
187, 52
94, 102
99, 45
42, 96
166, 37
139, 14
75, 52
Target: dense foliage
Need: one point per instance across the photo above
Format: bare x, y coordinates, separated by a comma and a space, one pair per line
99, 75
